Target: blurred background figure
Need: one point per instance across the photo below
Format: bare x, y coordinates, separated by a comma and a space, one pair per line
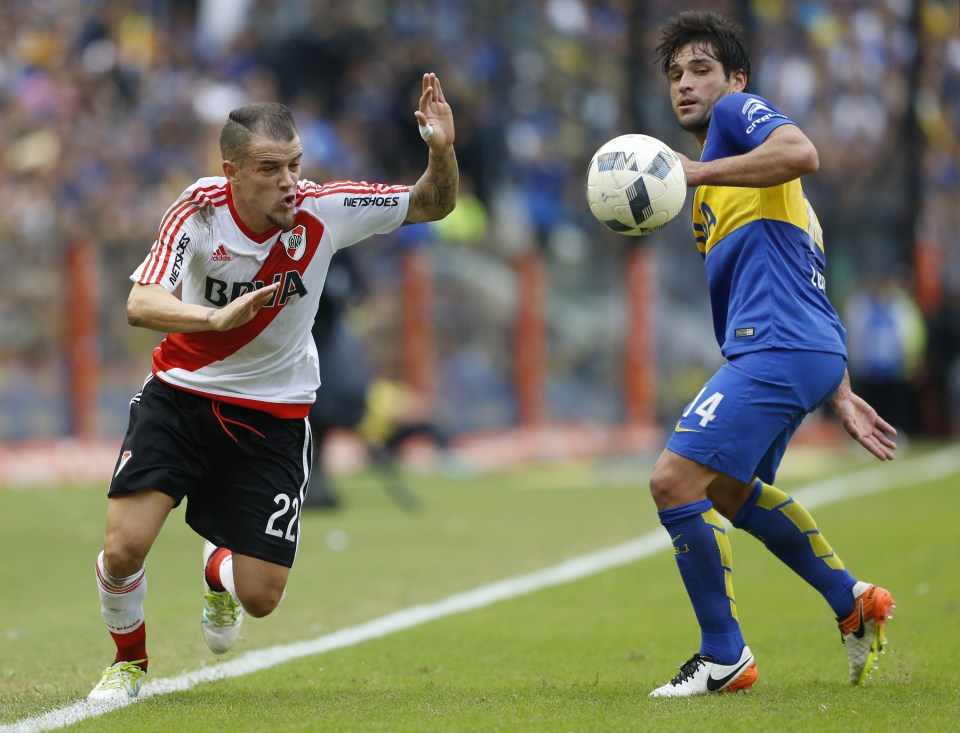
886, 338
345, 371
943, 365
397, 416
384, 415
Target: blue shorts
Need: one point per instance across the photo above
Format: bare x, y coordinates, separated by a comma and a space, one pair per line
745, 415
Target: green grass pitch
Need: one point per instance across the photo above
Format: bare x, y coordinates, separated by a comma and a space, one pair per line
577, 656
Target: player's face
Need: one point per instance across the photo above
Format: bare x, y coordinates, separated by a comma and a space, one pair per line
264, 186
697, 82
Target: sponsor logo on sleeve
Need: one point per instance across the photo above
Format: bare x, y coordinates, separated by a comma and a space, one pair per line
359, 201
754, 107
181, 247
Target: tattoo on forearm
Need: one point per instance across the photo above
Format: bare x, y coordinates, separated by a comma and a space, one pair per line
436, 191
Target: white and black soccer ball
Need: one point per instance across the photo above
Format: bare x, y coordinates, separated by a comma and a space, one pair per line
635, 184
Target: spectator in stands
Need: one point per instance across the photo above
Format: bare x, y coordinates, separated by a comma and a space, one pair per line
100, 101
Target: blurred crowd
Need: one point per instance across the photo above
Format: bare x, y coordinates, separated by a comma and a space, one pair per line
109, 108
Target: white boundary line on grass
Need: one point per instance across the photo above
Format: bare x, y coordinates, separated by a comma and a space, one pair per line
873, 480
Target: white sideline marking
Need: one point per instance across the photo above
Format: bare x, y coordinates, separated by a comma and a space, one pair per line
873, 480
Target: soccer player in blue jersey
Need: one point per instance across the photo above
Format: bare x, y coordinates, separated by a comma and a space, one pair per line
786, 355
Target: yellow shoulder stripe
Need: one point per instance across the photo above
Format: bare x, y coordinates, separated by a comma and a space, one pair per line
718, 211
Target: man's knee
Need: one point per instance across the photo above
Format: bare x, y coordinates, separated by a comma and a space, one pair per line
123, 555
661, 485
676, 481
133, 523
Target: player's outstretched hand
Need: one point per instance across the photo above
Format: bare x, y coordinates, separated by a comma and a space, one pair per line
243, 309
434, 115
864, 424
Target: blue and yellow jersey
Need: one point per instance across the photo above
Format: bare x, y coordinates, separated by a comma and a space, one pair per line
762, 247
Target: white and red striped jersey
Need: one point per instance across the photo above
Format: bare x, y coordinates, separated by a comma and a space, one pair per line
203, 247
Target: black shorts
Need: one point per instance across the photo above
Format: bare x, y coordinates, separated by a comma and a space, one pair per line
243, 472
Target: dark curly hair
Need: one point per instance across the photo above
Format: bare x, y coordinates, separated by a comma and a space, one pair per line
719, 35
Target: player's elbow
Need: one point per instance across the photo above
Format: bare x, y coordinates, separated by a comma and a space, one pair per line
136, 311
796, 152
437, 208
797, 165
806, 160
134, 318
447, 208
443, 201
810, 162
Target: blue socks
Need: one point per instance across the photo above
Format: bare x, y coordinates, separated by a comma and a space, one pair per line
790, 533
704, 559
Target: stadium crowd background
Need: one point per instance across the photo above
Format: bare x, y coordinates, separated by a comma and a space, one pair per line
109, 108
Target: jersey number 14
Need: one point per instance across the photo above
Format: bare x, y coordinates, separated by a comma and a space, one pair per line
705, 409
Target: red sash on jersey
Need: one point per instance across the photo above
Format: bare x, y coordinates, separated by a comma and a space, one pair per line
192, 351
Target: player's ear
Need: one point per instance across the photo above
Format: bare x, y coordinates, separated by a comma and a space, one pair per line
230, 170
738, 80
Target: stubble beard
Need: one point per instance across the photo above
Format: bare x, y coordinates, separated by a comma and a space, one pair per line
696, 125
284, 222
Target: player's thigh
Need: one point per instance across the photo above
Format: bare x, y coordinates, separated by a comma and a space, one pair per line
813, 377
133, 523
252, 503
156, 467
170, 443
748, 410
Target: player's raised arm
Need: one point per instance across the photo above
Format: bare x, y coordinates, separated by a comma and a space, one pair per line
435, 194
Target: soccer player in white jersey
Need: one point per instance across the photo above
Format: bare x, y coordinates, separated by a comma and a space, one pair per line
786, 355
221, 420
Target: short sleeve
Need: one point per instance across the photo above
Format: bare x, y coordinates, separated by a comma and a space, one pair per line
740, 123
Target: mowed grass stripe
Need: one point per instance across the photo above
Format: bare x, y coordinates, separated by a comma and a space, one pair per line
873, 480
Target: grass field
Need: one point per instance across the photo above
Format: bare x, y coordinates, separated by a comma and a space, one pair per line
574, 656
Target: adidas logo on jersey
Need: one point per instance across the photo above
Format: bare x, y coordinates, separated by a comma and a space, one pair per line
220, 254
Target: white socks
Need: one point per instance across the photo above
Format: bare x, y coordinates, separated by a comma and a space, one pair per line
121, 599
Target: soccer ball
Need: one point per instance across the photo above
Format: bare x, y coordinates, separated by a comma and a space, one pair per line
635, 184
